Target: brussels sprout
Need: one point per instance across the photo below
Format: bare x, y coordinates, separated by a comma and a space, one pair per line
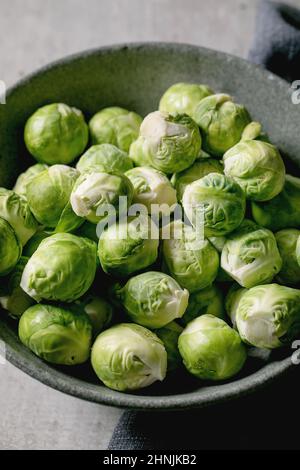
15, 210
253, 131
232, 300
27, 176
216, 201
151, 187
56, 133
34, 242
10, 248
99, 311
204, 155
12, 296
206, 301
193, 263
104, 157
129, 357
269, 316
88, 230
56, 334
199, 169
183, 98
62, 268
283, 211
98, 189
116, 126
211, 349
153, 299
257, 167
127, 246
250, 255
221, 122
48, 195
167, 143
287, 243
218, 243
139, 154
169, 335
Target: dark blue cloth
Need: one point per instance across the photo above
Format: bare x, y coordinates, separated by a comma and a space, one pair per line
276, 43
264, 420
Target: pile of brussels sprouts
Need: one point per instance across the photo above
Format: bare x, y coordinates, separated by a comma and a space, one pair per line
138, 305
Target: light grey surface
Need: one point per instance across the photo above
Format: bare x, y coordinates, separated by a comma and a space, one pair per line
37, 32
34, 416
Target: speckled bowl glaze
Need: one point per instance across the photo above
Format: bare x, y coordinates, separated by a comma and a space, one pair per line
135, 76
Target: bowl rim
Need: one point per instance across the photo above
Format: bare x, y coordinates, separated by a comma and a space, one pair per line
137, 45
203, 397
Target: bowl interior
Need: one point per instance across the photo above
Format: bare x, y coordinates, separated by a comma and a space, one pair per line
134, 77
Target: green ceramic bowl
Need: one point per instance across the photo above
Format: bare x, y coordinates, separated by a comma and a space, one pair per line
134, 76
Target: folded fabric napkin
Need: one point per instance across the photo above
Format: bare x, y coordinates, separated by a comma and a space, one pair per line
253, 422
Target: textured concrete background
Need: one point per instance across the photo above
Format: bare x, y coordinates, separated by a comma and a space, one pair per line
34, 32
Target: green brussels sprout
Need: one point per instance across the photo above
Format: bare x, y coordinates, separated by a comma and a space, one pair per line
27, 176
129, 357
183, 98
56, 334
167, 143
56, 133
250, 255
88, 230
211, 349
232, 300
206, 301
269, 316
98, 189
104, 157
153, 299
34, 242
62, 268
127, 246
116, 126
257, 167
199, 169
152, 187
203, 155
253, 131
10, 248
99, 311
287, 244
193, 263
48, 195
12, 296
283, 211
218, 243
169, 335
139, 154
16, 211
216, 201
221, 122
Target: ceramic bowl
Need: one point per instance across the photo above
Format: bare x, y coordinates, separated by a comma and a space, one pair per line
134, 76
